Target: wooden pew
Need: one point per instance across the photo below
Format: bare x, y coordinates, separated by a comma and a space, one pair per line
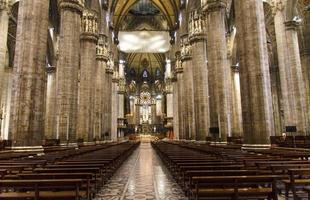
297, 177
234, 187
42, 189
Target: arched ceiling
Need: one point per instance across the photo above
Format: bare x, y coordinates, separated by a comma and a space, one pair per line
168, 8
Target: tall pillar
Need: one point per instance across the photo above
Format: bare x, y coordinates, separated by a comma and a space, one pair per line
108, 99
291, 77
4, 25
186, 58
258, 123
218, 64
179, 74
114, 106
200, 73
175, 107
89, 38
28, 101
101, 87
68, 68
236, 103
50, 117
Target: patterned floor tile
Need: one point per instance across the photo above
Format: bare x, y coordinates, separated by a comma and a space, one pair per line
142, 176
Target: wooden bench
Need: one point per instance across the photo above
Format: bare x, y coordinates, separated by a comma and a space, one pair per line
234, 187
297, 177
42, 189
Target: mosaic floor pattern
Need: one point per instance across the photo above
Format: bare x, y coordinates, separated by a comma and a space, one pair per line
142, 176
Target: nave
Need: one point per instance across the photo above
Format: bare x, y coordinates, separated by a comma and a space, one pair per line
142, 176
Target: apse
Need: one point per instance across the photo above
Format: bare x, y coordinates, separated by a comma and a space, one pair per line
144, 41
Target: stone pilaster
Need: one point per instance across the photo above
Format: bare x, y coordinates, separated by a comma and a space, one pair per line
258, 122
89, 38
4, 23
180, 88
197, 38
219, 70
186, 58
175, 109
114, 106
28, 101
50, 117
276, 102
101, 87
236, 102
292, 85
68, 68
108, 101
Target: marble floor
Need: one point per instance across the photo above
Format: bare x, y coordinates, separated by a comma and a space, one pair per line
142, 176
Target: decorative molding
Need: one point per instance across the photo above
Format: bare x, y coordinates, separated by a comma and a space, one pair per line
50, 69
276, 6
4, 5
102, 52
292, 25
235, 68
215, 5
73, 5
197, 26
186, 48
89, 25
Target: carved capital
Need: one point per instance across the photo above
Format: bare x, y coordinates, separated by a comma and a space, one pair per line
89, 25
73, 5
277, 6
4, 5
102, 51
215, 5
196, 26
235, 68
50, 69
186, 49
292, 25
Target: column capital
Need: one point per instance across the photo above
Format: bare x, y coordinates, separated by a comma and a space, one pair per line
196, 26
51, 69
186, 48
215, 5
235, 68
277, 6
292, 24
73, 5
4, 5
89, 25
102, 52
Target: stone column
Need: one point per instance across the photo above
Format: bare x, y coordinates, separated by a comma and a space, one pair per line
50, 117
200, 74
179, 74
186, 58
175, 108
108, 99
291, 77
68, 68
236, 103
4, 24
276, 96
218, 64
101, 87
114, 106
258, 122
137, 111
28, 100
89, 38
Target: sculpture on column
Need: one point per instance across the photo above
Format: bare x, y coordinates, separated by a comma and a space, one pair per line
196, 24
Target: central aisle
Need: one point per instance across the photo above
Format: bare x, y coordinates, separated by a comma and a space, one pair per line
142, 176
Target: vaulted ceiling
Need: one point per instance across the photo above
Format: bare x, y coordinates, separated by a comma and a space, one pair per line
169, 9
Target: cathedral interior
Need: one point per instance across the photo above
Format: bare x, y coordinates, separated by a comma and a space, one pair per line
154, 99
